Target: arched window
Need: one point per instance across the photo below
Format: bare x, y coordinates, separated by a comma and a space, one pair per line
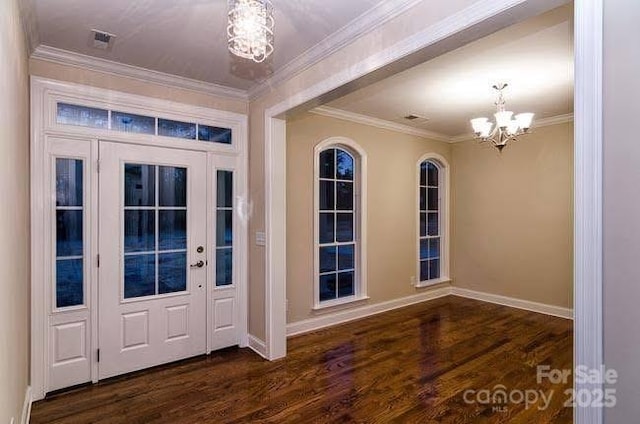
433, 266
339, 187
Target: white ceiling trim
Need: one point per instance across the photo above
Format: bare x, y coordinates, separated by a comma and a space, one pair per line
406, 129
363, 24
29, 24
378, 123
65, 57
538, 123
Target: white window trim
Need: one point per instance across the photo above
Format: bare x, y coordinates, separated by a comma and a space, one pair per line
445, 193
360, 206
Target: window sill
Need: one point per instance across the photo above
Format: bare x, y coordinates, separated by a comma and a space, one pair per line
339, 304
430, 283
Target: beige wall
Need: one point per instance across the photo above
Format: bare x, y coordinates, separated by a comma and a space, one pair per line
621, 220
14, 213
399, 28
513, 217
67, 73
391, 249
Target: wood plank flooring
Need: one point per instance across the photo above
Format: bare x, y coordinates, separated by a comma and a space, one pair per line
411, 365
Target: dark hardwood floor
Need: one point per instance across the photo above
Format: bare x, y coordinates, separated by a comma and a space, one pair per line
412, 365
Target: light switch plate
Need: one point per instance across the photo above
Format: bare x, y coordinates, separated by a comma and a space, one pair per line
261, 238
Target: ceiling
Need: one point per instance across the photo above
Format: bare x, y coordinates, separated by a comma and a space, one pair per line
534, 57
188, 37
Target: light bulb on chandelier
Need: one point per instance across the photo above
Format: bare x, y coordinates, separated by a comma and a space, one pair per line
250, 29
506, 129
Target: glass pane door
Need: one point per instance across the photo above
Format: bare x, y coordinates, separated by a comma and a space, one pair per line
69, 210
155, 230
224, 228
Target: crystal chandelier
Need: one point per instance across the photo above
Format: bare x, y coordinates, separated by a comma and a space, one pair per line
506, 129
250, 29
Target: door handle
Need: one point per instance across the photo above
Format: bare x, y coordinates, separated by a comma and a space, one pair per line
198, 264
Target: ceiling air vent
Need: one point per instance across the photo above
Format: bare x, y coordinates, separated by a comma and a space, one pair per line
101, 40
416, 119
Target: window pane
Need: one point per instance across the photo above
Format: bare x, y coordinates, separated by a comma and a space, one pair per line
345, 284
434, 248
327, 168
433, 224
139, 185
433, 199
344, 196
172, 230
424, 270
326, 228
139, 231
423, 174
69, 277
128, 122
432, 174
82, 116
172, 186
423, 224
214, 134
423, 199
68, 182
225, 189
177, 129
346, 257
224, 267
327, 259
344, 165
172, 272
424, 248
327, 287
139, 275
434, 269
326, 195
344, 227
224, 228
68, 233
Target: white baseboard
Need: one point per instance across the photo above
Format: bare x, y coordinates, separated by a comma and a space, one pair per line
26, 406
257, 345
316, 323
541, 308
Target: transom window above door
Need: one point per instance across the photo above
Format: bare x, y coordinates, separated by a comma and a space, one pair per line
107, 119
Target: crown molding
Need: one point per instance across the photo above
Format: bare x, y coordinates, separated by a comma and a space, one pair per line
406, 129
372, 19
65, 57
29, 24
539, 123
378, 123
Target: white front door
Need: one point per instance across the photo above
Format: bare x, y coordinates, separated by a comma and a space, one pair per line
153, 256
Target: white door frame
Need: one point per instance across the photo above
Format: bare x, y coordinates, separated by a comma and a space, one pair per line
588, 35
45, 94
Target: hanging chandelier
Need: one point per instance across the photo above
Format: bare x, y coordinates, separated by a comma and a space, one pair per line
250, 29
506, 129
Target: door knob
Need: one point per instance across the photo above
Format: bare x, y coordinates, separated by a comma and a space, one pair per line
198, 264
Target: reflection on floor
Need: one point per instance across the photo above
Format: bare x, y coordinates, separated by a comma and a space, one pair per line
448, 360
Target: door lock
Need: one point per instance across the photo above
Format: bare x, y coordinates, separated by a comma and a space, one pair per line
200, 249
198, 264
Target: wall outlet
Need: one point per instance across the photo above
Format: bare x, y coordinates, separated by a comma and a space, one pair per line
412, 280
261, 238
